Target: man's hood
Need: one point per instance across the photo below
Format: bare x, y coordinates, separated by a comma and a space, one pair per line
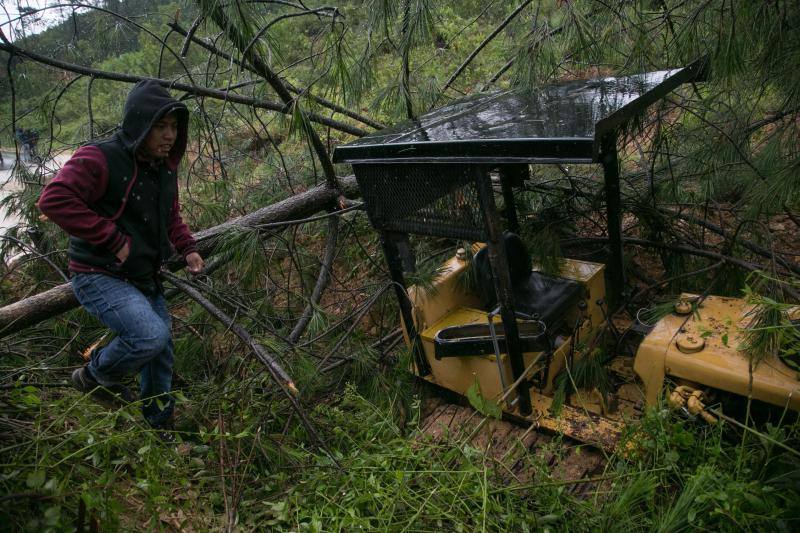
147, 103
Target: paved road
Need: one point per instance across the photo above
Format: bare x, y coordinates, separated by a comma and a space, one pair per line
9, 185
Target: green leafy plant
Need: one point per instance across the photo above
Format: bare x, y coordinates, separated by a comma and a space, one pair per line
770, 330
483, 405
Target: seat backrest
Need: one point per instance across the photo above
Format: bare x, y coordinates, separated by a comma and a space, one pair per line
519, 265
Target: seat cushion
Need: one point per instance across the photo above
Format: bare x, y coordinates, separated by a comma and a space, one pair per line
547, 297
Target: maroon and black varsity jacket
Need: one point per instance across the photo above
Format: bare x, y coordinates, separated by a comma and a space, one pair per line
103, 197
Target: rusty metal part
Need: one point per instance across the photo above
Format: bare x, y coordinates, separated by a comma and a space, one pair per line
578, 423
696, 407
720, 323
690, 401
683, 307
688, 343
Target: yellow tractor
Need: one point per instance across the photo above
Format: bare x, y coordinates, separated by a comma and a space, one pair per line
491, 324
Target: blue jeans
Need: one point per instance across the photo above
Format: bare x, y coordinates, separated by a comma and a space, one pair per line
143, 343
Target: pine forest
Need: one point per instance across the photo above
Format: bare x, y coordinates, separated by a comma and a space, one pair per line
412, 265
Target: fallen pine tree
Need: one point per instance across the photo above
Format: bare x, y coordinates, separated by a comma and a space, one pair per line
34, 309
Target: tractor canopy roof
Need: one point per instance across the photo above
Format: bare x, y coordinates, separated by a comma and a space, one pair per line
563, 122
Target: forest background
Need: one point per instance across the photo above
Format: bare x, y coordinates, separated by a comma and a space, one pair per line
712, 203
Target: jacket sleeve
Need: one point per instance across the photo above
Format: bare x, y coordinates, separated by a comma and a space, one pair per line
66, 200
179, 234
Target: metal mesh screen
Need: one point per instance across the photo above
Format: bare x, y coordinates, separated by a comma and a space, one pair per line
422, 199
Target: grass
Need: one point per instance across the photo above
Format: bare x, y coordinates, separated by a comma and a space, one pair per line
242, 458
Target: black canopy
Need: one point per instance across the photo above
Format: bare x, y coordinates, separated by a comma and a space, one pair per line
555, 123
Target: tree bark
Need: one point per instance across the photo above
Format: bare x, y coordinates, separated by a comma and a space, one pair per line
34, 309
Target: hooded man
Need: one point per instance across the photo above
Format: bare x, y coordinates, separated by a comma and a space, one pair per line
118, 201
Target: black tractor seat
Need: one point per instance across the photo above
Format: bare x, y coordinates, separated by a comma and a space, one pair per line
543, 300
546, 298
542, 297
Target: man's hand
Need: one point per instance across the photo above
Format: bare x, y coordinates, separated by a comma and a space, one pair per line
195, 263
123, 253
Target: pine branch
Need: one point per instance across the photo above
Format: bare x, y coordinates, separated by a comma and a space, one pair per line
191, 89
510, 62
300, 91
482, 45
276, 371
260, 33
753, 247
60, 299
322, 280
405, 83
262, 68
188, 36
776, 117
682, 248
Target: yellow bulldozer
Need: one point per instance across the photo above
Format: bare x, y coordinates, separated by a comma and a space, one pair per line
491, 324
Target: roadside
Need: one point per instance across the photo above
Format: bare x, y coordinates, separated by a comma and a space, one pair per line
9, 185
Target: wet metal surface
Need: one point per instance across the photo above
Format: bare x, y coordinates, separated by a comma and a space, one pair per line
562, 121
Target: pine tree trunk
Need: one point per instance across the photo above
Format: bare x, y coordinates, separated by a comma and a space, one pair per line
34, 309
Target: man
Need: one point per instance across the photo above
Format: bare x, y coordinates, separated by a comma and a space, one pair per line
22, 139
118, 200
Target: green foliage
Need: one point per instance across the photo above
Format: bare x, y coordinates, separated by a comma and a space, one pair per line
722, 149
770, 330
425, 277
651, 315
483, 405
680, 474
467, 280
545, 219
588, 372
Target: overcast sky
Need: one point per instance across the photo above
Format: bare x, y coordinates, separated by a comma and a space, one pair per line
9, 17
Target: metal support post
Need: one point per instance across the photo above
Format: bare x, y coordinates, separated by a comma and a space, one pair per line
510, 176
616, 266
501, 275
394, 260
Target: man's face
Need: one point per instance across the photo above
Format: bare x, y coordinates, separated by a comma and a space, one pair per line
161, 137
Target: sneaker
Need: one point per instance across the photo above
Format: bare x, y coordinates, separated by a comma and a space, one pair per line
166, 436
166, 433
84, 382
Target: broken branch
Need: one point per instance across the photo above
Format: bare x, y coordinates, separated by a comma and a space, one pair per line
276, 371
34, 309
191, 89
